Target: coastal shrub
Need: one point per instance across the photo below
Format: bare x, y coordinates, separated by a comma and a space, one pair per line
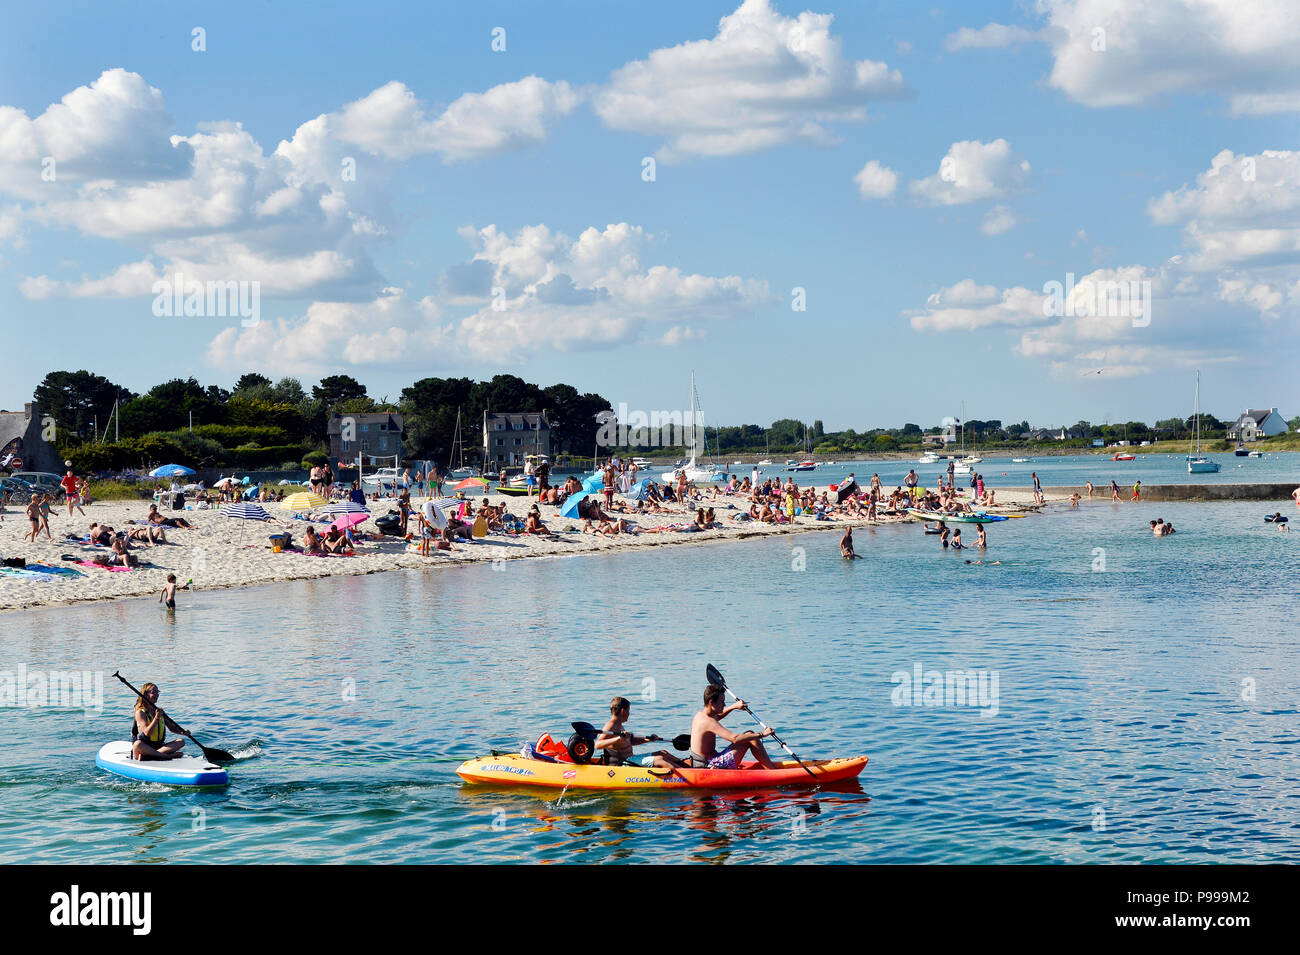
233, 435
255, 456
119, 491
314, 459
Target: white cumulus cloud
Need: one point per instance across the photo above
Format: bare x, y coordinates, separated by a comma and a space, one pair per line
765, 80
972, 170
876, 181
1125, 53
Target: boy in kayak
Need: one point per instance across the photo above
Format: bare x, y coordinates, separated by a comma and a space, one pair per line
616, 742
706, 727
150, 738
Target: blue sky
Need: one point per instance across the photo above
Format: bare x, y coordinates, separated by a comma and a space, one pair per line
479, 170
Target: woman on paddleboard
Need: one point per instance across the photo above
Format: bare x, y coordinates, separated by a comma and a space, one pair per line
150, 738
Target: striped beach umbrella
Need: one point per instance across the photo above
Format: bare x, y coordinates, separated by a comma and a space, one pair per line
303, 501
345, 507
246, 510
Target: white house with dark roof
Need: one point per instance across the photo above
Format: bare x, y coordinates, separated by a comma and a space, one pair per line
1252, 425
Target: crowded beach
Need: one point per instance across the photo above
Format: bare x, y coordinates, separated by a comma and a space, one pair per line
66, 547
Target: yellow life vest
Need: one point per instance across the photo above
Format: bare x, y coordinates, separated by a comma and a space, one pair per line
158, 734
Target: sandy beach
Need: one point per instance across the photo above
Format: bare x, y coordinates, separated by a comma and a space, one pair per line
221, 552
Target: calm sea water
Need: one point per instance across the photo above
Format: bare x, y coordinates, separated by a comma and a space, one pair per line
1148, 698
1062, 470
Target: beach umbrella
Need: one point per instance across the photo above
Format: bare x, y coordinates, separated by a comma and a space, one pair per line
344, 521
345, 507
640, 490
172, 470
246, 510
192, 488
444, 508
570, 508
594, 482
473, 482
303, 501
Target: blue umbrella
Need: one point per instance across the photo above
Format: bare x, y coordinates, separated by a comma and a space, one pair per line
593, 482
640, 490
570, 508
172, 470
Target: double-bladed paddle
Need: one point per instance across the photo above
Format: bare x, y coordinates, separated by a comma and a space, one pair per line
715, 676
211, 755
682, 742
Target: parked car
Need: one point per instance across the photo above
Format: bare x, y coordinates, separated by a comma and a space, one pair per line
17, 491
45, 480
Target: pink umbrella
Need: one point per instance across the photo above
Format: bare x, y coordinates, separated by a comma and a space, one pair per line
344, 521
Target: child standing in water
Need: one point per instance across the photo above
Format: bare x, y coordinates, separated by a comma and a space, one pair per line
168, 594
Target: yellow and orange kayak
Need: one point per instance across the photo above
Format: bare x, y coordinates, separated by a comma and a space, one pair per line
515, 770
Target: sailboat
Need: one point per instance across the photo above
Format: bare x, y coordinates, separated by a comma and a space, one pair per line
807, 464
458, 444
1197, 463
960, 466
971, 458
695, 472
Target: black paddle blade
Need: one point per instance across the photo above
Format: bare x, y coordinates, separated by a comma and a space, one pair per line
216, 755
584, 729
714, 676
682, 742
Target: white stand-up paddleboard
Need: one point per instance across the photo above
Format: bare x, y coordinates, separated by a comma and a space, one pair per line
185, 771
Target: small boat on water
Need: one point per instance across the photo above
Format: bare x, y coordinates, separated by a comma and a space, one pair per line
1254, 454
1019, 460
515, 770
1241, 452
928, 458
458, 445
1198, 463
765, 463
1122, 456
977, 518
803, 466
384, 478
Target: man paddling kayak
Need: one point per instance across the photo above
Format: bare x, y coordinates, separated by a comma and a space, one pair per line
150, 738
706, 728
617, 743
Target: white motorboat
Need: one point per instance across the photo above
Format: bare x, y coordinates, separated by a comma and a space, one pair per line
383, 478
